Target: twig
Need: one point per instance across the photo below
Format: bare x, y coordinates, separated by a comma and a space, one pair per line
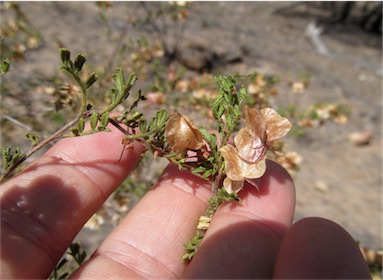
27, 127
36, 148
119, 127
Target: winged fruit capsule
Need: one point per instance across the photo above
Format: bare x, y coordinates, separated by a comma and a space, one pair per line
182, 135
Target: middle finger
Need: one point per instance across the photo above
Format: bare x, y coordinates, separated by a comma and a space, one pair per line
244, 238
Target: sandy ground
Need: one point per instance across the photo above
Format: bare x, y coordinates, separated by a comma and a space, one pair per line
350, 74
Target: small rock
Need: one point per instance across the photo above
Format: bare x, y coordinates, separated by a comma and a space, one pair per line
298, 87
195, 57
321, 186
361, 138
155, 98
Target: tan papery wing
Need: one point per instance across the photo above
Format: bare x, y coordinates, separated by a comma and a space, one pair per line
276, 126
182, 134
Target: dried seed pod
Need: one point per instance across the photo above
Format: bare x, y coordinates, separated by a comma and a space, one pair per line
232, 186
182, 134
276, 126
250, 141
237, 170
247, 161
232, 163
262, 127
250, 147
255, 123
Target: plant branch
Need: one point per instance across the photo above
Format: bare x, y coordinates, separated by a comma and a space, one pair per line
36, 148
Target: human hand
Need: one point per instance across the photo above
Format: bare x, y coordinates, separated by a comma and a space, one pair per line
44, 207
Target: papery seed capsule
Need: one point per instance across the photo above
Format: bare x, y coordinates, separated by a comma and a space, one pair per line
255, 123
182, 134
276, 126
250, 147
262, 127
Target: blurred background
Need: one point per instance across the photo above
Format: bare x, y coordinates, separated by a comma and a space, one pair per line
317, 63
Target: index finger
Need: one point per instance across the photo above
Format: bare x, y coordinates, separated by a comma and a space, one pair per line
44, 207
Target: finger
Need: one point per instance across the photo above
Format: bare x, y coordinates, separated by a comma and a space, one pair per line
44, 207
243, 238
149, 241
321, 249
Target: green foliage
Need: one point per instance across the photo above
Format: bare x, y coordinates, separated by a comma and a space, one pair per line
93, 77
77, 254
221, 197
11, 158
5, 65
152, 133
99, 119
73, 68
192, 246
120, 91
34, 138
226, 107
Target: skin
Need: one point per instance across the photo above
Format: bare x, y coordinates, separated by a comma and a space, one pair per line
44, 207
